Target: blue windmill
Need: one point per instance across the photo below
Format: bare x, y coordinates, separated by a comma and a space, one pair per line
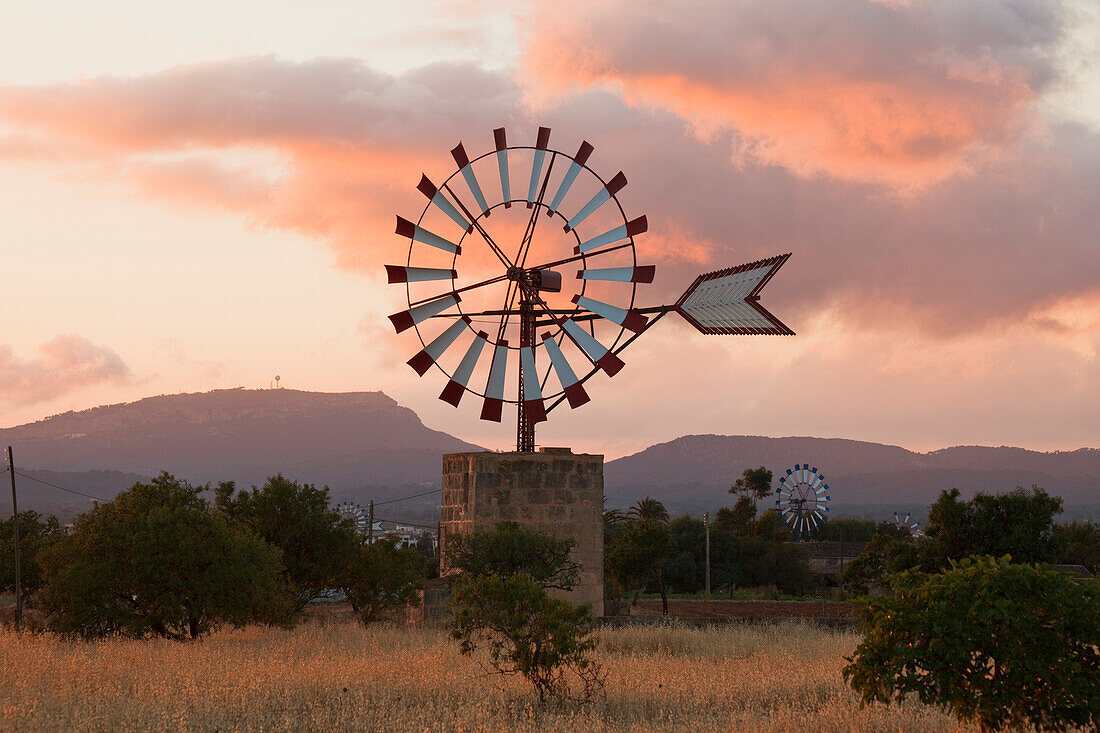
802, 499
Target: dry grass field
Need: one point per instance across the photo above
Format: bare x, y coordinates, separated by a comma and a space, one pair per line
338, 676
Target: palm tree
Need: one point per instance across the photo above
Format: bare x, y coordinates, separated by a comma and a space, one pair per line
613, 517
649, 510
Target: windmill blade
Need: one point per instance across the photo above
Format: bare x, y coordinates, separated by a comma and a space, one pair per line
455, 388
631, 319
536, 165
441, 202
571, 175
463, 161
418, 233
574, 391
728, 301
494, 390
597, 352
640, 274
430, 354
402, 274
632, 228
502, 165
602, 196
532, 392
406, 319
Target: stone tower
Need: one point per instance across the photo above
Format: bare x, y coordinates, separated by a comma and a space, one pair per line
554, 492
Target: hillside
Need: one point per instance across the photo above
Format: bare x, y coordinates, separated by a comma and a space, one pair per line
362, 444
693, 473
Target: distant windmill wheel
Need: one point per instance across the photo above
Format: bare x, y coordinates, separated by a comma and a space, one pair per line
803, 498
906, 523
354, 512
511, 301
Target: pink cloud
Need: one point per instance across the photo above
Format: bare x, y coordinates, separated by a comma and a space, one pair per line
333, 149
898, 93
65, 363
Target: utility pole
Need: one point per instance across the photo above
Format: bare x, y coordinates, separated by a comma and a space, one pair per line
706, 525
15, 521
370, 522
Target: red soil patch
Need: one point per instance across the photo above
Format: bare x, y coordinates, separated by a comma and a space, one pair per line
747, 609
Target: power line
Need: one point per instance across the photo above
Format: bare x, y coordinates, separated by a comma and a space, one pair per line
403, 498
409, 524
61, 488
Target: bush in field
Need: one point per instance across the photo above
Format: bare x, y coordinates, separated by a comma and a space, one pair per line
524, 631
36, 533
296, 518
999, 644
509, 549
381, 576
501, 605
156, 560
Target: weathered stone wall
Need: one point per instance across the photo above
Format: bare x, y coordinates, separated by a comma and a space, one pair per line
554, 492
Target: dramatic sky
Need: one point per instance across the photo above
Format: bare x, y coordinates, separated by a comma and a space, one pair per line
202, 195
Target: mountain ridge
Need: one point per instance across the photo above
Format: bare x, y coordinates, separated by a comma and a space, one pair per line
364, 445
695, 471
361, 442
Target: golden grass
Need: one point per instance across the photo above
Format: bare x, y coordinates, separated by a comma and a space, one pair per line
338, 676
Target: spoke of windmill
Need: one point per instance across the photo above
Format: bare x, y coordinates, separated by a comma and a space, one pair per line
579, 256
513, 312
483, 283
528, 235
477, 225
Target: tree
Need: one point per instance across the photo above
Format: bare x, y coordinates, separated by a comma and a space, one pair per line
156, 560
1000, 644
296, 518
847, 530
638, 556
510, 549
685, 569
883, 555
381, 576
649, 509
36, 533
754, 482
1077, 543
525, 631
738, 521
1018, 523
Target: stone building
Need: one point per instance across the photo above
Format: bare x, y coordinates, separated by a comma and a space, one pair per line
554, 492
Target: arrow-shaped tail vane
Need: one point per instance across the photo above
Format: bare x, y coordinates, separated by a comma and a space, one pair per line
728, 301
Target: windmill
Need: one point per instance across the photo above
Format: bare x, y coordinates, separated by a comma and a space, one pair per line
356, 513
803, 499
907, 523
507, 329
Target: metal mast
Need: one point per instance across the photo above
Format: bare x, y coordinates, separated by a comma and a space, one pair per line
525, 428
